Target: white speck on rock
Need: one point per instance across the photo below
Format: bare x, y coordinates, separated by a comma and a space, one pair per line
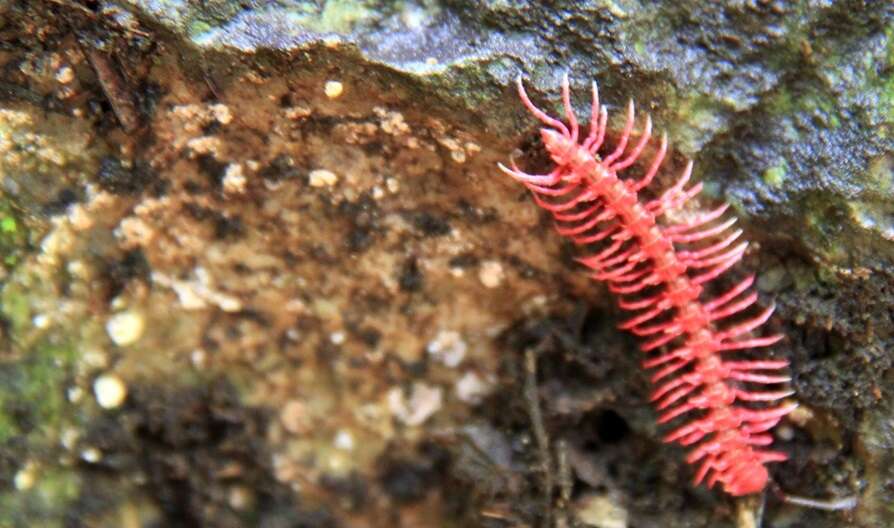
240, 498
40, 321
198, 293
333, 89
69, 438
448, 347
74, 394
91, 455
491, 274
125, 328
26, 477
322, 178
110, 391
392, 184
471, 388
423, 402
344, 440
601, 511
337, 338
295, 418
65, 75
222, 113
234, 180
199, 358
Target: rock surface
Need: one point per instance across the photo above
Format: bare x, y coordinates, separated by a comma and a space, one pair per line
277, 227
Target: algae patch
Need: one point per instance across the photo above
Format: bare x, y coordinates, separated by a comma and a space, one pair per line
776, 175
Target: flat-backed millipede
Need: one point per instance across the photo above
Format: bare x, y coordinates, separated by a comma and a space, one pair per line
660, 270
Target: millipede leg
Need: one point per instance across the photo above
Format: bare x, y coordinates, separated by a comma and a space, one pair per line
603, 122
637, 150
537, 179
625, 136
569, 112
653, 168
538, 113
594, 120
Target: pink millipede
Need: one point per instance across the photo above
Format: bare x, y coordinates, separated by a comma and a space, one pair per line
659, 270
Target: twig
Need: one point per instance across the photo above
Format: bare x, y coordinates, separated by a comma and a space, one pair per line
116, 90
532, 401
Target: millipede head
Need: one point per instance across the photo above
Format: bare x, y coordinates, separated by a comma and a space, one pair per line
559, 146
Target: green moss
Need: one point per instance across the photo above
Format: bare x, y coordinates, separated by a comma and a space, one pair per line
33, 409
775, 176
700, 117
880, 176
780, 103
45, 503
816, 103
887, 98
34, 387
640, 47
341, 15
16, 309
8, 225
199, 27
335, 16
13, 238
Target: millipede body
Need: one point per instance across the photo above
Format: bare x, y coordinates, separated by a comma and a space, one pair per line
659, 269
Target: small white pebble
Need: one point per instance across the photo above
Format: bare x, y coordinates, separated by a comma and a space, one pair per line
199, 358
392, 184
491, 274
601, 511
322, 178
337, 338
333, 89
801, 416
110, 391
25, 477
295, 418
297, 112
95, 359
65, 75
234, 180
338, 463
470, 388
69, 438
785, 432
226, 303
75, 394
448, 346
79, 217
377, 193
91, 455
76, 268
222, 113
40, 321
344, 440
125, 328
240, 498
424, 401
296, 306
